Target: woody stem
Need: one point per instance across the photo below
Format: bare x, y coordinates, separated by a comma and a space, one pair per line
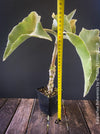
52, 70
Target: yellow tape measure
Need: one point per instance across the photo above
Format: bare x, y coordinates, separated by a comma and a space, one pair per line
60, 23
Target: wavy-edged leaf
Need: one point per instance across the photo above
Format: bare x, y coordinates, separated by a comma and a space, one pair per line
29, 27
91, 39
84, 56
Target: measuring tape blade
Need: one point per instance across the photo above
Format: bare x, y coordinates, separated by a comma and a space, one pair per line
60, 23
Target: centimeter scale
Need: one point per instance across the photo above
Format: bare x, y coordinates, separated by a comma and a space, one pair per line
60, 23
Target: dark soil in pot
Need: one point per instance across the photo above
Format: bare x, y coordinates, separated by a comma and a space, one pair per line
47, 102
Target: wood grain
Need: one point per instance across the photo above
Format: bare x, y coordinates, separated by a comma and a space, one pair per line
90, 116
59, 128
7, 112
38, 122
19, 122
95, 103
23, 116
75, 119
2, 101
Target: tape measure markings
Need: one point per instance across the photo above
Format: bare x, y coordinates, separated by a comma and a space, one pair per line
60, 21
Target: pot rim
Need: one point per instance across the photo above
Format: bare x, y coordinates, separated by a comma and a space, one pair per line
43, 94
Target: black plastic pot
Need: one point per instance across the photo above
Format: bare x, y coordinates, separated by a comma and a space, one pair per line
47, 105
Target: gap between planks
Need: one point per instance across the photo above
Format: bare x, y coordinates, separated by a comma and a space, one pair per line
2, 102
30, 120
75, 119
20, 120
6, 113
90, 116
38, 122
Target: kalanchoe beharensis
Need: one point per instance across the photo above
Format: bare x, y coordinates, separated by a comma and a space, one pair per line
87, 44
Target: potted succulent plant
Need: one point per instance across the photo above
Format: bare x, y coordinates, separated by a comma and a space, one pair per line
87, 45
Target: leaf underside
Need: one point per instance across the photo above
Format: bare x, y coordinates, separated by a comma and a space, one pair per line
29, 27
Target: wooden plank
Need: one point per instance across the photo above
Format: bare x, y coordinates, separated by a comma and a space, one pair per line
95, 104
2, 101
90, 116
59, 128
19, 122
7, 112
75, 119
38, 121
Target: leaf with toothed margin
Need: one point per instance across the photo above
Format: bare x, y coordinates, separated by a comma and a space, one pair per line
84, 55
29, 27
92, 41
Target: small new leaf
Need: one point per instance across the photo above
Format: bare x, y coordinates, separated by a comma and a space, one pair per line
29, 27
67, 26
70, 15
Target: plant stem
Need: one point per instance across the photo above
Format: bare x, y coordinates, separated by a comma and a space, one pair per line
51, 32
52, 70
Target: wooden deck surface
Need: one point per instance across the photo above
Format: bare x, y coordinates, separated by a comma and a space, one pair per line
23, 116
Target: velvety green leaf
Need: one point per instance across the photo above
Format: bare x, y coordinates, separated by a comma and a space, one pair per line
70, 15
67, 20
84, 56
29, 27
92, 41
67, 26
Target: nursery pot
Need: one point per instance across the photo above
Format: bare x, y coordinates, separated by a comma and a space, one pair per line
48, 105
